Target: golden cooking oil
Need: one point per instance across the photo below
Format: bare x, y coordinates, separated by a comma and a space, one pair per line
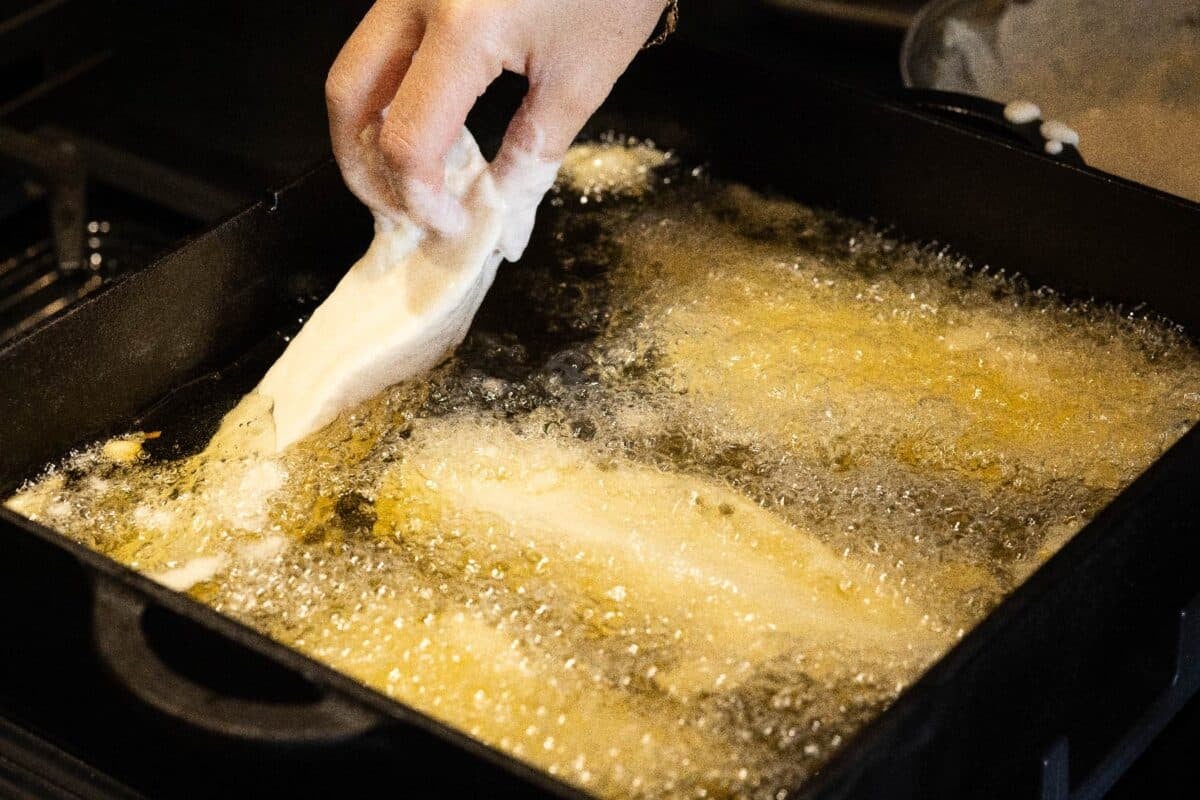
714, 477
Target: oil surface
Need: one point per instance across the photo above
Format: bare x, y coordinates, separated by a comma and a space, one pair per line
714, 477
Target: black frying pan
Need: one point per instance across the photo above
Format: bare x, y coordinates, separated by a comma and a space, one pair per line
1055, 691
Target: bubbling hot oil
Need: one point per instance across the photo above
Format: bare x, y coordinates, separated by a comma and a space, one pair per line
740, 474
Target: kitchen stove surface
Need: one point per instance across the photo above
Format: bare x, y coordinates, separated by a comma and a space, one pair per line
113, 149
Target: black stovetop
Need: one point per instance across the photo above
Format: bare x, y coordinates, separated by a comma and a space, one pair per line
145, 122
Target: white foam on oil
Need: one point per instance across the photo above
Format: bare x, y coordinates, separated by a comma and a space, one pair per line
195, 571
764, 468
612, 167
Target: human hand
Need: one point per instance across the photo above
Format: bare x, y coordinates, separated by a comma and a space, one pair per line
400, 90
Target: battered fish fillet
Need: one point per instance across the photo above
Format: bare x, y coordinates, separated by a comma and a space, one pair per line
731, 584
801, 354
402, 308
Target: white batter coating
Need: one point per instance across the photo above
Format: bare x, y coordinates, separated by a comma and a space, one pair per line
1056, 129
406, 304
1021, 112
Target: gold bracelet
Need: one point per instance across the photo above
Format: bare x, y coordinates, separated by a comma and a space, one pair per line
666, 25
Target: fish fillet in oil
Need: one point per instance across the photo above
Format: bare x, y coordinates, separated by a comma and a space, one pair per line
814, 354
725, 583
734, 476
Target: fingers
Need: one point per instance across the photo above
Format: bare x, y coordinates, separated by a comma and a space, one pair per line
550, 117
364, 77
570, 74
400, 91
537, 138
453, 66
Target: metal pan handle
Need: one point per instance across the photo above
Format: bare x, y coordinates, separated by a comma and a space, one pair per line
1184, 684
985, 116
118, 629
